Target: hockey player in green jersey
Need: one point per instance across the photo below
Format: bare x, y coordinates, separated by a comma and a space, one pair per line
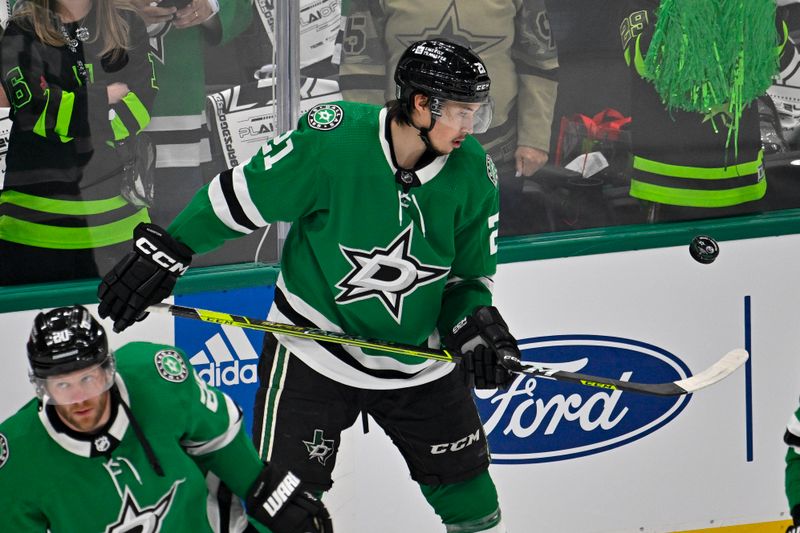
792, 439
514, 40
394, 214
133, 440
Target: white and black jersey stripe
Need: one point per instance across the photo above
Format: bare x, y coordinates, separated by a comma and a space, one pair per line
232, 203
348, 364
196, 448
181, 141
486, 281
224, 510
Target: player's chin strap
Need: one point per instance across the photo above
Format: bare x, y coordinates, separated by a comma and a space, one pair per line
137, 430
423, 134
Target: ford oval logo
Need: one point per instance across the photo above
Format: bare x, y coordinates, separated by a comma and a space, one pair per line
539, 419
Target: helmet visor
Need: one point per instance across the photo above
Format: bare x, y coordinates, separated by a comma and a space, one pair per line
75, 387
471, 117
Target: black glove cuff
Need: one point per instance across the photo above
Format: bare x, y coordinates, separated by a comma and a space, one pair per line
270, 493
277, 500
464, 337
158, 246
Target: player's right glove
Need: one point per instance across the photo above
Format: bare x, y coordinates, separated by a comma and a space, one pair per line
795, 511
144, 277
277, 500
487, 349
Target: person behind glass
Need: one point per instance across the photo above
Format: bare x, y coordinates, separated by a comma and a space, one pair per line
696, 140
514, 40
133, 440
413, 264
180, 31
79, 81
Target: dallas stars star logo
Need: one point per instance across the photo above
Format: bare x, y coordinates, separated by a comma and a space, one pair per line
450, 27
170, 366
132, 517
319, 448
389, 274
325, 116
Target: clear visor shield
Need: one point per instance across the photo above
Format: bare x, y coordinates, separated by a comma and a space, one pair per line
75, 387
463, 116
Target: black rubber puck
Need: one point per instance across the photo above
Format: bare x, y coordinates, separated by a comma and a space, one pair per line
704, 249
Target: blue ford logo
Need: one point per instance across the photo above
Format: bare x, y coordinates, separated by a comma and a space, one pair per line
539, 419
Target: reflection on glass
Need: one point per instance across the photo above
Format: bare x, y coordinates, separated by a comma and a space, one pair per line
80, 86
580, 137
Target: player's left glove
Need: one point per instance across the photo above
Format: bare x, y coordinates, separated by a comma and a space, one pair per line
278, 501
795, 511
487, 348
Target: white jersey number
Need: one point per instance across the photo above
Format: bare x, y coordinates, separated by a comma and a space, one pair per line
493, 227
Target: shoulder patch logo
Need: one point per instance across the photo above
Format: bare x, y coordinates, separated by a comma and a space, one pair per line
325, 117
170, 366
3, 450
491, 170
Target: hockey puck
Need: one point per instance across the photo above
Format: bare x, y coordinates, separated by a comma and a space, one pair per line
704, 249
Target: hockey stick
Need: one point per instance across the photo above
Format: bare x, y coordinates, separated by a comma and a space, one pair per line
711, 375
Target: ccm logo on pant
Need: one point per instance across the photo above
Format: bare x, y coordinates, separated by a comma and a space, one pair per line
159, 257
281, 494
460, 444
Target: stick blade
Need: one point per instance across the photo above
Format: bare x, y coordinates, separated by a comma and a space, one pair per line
716, 372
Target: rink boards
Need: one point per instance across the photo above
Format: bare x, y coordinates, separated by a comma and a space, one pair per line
570, 458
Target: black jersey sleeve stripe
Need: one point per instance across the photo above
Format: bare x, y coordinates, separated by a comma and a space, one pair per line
235, 207
791, 439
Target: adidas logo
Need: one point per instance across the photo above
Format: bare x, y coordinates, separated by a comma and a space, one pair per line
225, 360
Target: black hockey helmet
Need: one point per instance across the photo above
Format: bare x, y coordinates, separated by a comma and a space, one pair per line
444, 71
64, 340
442, 68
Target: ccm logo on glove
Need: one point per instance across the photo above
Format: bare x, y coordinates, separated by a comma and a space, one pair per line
159, 257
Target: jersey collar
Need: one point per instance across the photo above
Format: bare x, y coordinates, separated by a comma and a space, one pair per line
87, 445
426, 173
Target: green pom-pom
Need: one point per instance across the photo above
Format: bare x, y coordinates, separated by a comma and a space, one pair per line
708, 56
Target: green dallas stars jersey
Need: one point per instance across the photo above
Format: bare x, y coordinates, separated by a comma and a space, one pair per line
362, 256
792, 481
54, 479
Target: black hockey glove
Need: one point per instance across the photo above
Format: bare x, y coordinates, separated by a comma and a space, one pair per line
795, 527
144, 277
278, 501
487, 349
